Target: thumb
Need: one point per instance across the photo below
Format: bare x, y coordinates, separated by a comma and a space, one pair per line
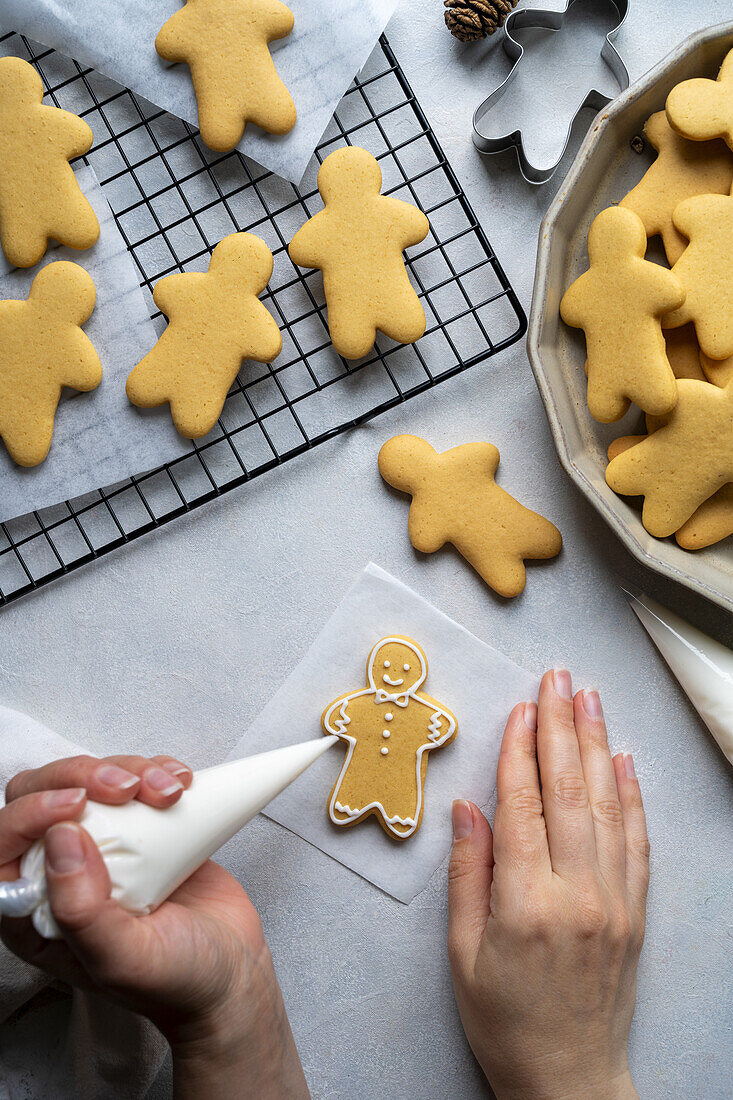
469, 882
98, 931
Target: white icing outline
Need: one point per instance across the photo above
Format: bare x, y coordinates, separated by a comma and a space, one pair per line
435, 739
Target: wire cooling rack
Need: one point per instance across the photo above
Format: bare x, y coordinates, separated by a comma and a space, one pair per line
173, 200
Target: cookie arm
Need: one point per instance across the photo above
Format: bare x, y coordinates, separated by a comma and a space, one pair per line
334, 718
572, 302
442, 724
176, 292
280, 20
304, 248
413, 224
72, 135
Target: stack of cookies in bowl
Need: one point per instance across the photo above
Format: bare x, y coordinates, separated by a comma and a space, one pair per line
662, 338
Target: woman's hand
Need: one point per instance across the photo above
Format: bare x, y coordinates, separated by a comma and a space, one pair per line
547, 914
199, 966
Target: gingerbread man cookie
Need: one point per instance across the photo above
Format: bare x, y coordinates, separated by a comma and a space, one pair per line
702, 109
42, 349
39, 195
711, 523
683, 462
215, 321
357, 241
682, 169
706, 272
225, 45
455, 499
390, 728
619, 303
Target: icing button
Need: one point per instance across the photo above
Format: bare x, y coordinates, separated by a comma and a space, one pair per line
388, 716
384, 751
385, 733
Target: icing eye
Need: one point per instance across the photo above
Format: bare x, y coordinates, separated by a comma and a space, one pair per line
406, 668
386, 664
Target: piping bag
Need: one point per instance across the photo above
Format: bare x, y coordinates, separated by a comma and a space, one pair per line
150, 852
703, 666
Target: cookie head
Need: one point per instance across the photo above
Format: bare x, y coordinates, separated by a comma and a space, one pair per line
244, 260
396, 665
618, 231
403, 460
348, 174
66, 290
20, 84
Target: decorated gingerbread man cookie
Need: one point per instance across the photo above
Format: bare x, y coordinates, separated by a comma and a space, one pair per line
684, 462
702, 109
357, 241
619, 303
706, 272
390, 728
39, 195
455, 499
42, 349
215, 321
682, 169
225, 45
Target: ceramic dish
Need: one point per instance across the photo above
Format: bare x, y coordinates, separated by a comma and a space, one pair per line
604, 170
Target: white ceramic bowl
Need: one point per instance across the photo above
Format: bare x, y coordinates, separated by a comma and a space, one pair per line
604, 170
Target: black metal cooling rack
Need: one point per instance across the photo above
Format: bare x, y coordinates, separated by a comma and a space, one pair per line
173, 200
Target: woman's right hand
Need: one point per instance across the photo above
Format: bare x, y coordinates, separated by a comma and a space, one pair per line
547, 913
199, 966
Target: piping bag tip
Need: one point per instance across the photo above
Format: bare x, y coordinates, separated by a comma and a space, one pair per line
150, 852
702, 665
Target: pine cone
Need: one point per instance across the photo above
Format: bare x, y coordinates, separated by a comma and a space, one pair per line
469, 20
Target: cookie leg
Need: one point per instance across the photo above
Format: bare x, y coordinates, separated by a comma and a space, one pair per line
278, 116
340, 817
78, 226
23, 242
352, 336
28, 440
406, 324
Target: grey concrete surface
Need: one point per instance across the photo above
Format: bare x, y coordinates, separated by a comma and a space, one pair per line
174, 644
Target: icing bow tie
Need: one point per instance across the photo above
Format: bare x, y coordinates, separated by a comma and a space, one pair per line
385, 697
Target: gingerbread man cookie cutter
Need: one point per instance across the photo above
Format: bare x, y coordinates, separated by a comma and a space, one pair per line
545, 20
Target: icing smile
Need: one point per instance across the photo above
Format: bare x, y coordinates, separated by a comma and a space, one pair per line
393, 683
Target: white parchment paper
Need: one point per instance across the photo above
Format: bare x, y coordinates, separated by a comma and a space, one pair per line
476, 682
99, 438
331, 41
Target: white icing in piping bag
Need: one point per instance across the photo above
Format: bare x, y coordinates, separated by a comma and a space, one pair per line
150, 852
703, 666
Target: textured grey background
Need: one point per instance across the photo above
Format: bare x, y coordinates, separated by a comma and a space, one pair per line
174, 644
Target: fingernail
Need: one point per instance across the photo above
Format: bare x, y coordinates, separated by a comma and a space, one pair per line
629, 766
112, 776
530, 716
592, 705
462, 819
64, 850
563, 683
160, 780
175, 768
69, 796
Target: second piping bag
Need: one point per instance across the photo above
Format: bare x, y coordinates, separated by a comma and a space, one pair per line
703, 666
150, 852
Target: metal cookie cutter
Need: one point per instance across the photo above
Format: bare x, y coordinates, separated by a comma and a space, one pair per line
548, 20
